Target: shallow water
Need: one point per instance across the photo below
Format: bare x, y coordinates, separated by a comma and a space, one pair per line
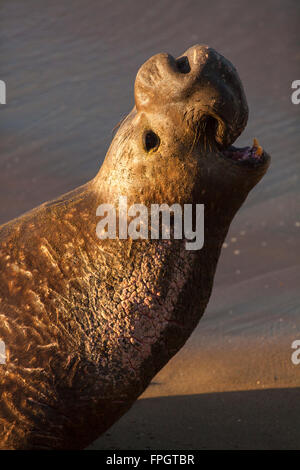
70, 68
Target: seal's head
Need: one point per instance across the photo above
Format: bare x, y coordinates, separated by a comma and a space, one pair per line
176, 144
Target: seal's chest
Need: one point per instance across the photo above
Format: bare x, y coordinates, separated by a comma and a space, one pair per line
149, 295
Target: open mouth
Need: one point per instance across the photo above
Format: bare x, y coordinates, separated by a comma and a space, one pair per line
252, 156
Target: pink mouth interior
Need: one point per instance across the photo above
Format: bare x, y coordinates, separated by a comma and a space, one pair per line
250, 154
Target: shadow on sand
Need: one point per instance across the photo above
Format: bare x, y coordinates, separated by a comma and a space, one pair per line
256, 419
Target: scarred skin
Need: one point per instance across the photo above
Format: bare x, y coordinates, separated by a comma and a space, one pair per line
87, 323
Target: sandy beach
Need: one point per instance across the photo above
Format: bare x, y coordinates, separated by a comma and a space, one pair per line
69, 69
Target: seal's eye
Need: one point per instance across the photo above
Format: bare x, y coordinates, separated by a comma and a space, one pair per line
151, 141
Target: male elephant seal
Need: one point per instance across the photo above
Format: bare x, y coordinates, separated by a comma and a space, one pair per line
86, 322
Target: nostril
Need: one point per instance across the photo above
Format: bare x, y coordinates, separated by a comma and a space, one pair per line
183, 64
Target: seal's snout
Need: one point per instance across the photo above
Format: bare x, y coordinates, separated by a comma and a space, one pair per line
201, 79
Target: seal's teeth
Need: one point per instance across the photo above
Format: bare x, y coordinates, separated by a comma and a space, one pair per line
259, 151
257, 147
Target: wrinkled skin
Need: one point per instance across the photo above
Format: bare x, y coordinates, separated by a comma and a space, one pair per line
87, 323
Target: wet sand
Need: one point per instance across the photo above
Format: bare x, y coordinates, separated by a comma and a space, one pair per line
69, 69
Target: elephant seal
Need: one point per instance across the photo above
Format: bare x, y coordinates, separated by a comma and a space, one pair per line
88, 322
